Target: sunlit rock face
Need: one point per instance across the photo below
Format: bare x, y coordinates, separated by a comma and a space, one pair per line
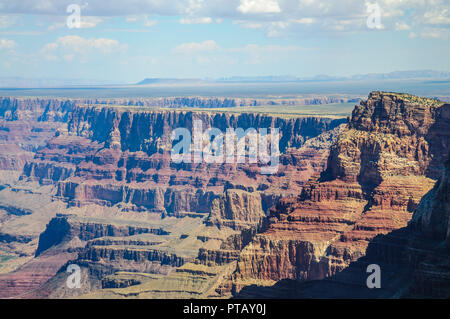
100, 190
109, 155
95, 185
381, 165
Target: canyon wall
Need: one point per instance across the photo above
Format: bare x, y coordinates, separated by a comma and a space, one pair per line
413, 260
109, 156
342, 198
378, 170
116, 201
428, 250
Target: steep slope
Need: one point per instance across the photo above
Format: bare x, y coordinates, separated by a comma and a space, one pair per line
99, 187
429, 249
111, 156
142, 226
414, 261
378, 170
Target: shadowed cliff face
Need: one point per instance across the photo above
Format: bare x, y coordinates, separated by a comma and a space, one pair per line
124, 153
340, 199
432, 216
149, 131
428, 250
377, 173
132, 209
115, 155
389, 128
27, 124
414, 260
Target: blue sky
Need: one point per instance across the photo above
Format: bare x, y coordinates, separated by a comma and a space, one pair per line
126, 41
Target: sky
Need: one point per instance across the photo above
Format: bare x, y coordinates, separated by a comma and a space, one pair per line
121, 41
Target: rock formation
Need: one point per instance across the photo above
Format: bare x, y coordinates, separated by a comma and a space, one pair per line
414, 260
98, 188
378, 170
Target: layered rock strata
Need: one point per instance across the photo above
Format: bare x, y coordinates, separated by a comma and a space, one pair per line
414, 260
378, 170
113, 156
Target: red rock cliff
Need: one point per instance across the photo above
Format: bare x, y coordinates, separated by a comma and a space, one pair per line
378, 170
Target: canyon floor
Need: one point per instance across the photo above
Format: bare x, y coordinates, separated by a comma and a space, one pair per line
91, 183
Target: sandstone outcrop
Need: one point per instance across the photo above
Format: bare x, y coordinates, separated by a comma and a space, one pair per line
116, 159
378, 170
429, 249
109, 156
140, 225
414, 260
30, 277
64, 228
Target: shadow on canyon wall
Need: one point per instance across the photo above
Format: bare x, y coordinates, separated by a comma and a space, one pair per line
401, 256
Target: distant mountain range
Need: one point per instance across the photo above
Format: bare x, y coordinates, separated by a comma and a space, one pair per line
419, 74
168, 81
20, 82
415, 74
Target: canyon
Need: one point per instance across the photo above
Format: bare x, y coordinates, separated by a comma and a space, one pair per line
91, 183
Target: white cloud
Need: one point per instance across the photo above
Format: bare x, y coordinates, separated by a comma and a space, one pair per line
90, 22
274, 17
68, 57
437, 16
435, 33
253, 48
205, 20
249, 25
79, 44
132, 18
306, 21
146, 22
212, 46
430, 35
277, 28
263, 54
51, 57
86, 22
196, 47
69, 47
7, 21
150, 23
259, 6
209, 53
56, 25
7, 44
402, 26
50, 47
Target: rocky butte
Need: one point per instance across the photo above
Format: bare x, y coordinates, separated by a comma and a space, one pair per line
380, 173
94, 185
